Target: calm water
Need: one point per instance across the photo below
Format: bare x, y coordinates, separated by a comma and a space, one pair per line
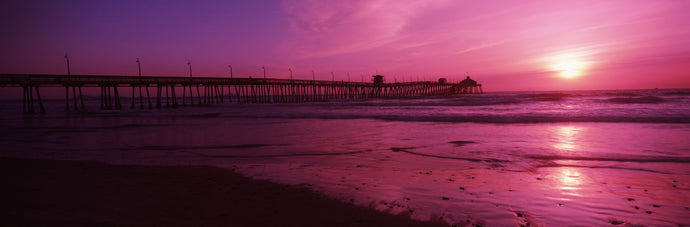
583, 158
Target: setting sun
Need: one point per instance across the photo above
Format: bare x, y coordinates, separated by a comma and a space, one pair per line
567, 65
569, 69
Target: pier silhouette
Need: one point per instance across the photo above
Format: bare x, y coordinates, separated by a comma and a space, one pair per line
213, 90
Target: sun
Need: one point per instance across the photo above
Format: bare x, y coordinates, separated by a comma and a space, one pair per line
567, 66
569, 69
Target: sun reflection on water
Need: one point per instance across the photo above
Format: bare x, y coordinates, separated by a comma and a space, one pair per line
566, 143
566, 138
570, 181
569, 178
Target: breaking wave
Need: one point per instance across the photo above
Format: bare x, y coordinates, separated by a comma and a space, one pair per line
638, 100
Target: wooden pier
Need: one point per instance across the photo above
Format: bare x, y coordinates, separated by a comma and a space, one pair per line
212, 90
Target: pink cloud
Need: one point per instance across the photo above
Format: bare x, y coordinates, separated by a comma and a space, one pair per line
326, 28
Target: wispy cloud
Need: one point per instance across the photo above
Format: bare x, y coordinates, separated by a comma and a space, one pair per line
331, 27
480, 46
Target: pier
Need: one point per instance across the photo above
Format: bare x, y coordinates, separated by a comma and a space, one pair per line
162, 92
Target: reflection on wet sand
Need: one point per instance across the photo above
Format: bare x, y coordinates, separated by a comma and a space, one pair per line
570, 181
567, 138
566, 144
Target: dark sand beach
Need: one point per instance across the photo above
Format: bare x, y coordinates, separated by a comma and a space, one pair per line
79, 193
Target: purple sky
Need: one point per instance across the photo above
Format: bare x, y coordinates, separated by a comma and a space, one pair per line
506, 45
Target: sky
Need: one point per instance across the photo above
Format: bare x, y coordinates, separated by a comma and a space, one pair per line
505, 45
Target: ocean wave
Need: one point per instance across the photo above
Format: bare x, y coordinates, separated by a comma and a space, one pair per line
484, 101
548, 96
497, 119
628, 94
553, 164
640, 100
678, 93
215, 147
479, 118
282, 155
640, 159
137, 126
409, 151
487, 100
205, 115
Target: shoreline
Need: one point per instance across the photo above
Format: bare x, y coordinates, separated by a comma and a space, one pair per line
41, 192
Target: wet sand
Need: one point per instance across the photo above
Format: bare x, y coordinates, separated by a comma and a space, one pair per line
69, 193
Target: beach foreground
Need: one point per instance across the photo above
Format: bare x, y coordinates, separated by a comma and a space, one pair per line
69, 193
578, 158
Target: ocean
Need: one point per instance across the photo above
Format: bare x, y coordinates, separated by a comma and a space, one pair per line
566, 158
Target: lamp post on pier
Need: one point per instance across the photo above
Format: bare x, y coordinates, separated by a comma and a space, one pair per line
290, 69
139, 67
69, 73
313, 75
141, 98
230, 66
69, 79
189, 63
264, 68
